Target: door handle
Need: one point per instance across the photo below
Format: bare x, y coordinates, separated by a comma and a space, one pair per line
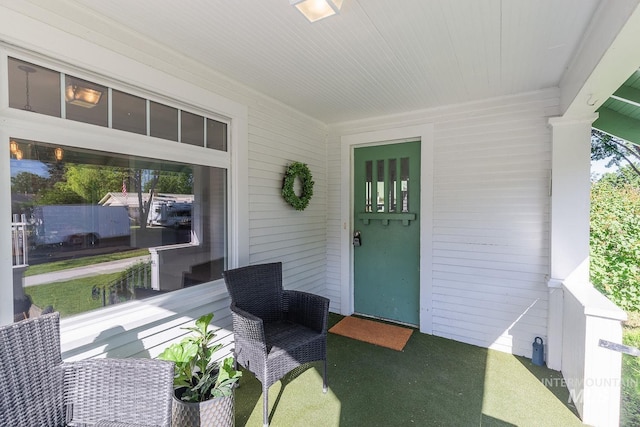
357, 239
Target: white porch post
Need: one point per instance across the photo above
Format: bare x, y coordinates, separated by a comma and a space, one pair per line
579, 315
570, 187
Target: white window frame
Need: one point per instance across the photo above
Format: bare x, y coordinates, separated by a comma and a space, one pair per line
26, 125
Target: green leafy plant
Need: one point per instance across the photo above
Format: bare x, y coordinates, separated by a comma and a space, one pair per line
297, 170
615, 241
630, 407
197, 376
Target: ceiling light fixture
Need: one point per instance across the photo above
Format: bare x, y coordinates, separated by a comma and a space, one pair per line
315, 10
13, 146
82, 96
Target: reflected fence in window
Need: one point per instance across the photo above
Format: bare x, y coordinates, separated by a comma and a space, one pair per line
19, 246
133, 283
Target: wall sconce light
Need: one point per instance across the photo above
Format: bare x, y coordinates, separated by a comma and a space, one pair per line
13, 146
82, 96
59, 153
315, 10
18, 154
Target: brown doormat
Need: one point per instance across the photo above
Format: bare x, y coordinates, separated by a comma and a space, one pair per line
378, 333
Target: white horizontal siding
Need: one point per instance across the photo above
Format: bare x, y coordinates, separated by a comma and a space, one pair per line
277, 232
490, 210
491, 205
144, 328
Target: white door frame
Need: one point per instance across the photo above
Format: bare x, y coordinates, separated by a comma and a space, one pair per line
388, 136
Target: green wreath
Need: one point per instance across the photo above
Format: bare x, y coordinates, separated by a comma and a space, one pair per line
297, 170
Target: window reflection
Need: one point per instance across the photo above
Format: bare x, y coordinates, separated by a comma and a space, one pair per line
164, 121
393, 179
164, 222
129, 112
404, 182
33, 88
86, 102
380, 196
192, 128
37, 89
368, 185
216, 135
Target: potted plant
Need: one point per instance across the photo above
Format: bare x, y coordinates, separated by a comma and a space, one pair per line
203, 388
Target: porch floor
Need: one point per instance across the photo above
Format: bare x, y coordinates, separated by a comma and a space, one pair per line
433, 381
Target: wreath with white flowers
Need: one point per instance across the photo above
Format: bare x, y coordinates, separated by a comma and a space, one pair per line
297, 170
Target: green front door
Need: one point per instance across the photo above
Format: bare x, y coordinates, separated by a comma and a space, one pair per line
387, 231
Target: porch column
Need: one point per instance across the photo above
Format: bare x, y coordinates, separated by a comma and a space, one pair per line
570, 199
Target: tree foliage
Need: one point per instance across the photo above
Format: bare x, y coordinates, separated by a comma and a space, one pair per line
617, 151
615, 237
28, 183
59, 194
173, 182
91, 183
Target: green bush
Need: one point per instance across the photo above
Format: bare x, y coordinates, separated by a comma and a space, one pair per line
615, 242
630, 408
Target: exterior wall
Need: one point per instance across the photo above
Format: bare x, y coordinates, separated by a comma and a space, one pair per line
490, 236
278, 232
264, 228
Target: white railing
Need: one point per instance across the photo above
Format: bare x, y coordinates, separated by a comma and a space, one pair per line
19, 243
591, 373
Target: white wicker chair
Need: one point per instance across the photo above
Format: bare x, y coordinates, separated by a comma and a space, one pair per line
38, 389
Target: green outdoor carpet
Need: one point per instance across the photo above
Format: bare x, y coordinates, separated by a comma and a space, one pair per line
432, 382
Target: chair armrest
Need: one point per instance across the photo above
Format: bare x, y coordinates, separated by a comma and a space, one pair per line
126, 391
247, 327
307, 309
118, 424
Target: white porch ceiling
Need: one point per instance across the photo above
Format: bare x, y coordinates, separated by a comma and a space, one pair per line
378, 57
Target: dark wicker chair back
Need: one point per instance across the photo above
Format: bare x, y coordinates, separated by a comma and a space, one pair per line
275, 330
257, 289
38, 389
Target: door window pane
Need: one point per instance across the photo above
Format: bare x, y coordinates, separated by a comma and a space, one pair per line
404, 182
192, 127
83, 207
164, 121
86, 102
380, 186
33, 88
393, 180
216, 135
129, 113
368, 166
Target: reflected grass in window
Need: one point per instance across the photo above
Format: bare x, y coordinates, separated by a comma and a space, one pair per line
70, 297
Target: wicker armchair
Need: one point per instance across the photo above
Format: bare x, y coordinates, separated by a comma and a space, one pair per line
38, 389
275, 330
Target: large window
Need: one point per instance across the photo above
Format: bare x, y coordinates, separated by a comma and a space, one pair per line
103, 228
93, 228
